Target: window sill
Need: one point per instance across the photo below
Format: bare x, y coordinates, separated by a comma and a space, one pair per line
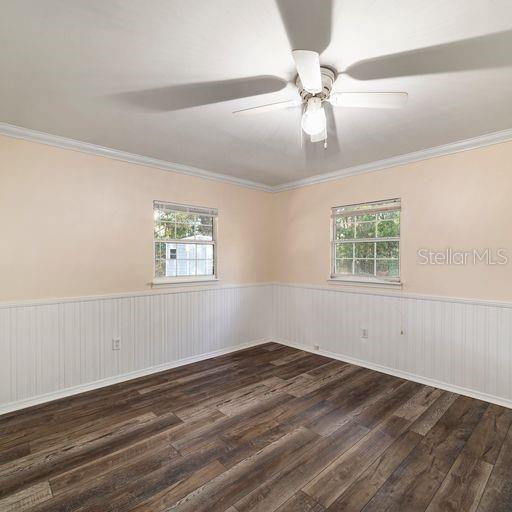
184, 281
361, 281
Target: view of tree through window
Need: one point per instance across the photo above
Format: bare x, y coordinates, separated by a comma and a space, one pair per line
184, 239
366, 240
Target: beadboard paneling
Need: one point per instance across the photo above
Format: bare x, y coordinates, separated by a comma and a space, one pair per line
48, 348
51, 349
459, 345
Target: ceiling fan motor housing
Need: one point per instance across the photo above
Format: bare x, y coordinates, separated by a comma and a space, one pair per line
328, 78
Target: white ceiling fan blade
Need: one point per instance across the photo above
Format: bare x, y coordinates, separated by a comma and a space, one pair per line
319, 136
369, 99
268, 108
308, 67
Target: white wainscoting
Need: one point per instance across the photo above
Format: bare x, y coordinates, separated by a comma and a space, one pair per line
51, 349
456, 344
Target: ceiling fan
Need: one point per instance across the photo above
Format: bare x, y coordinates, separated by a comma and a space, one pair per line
315, 85
308, 25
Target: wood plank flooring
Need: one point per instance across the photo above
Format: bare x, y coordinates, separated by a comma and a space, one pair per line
265, 429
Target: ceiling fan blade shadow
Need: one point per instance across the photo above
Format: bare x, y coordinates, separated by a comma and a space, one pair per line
177, 97
483, 52
333, 142
308, 23
310, 149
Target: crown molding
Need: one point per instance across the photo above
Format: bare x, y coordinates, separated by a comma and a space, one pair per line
19, 132
487, 139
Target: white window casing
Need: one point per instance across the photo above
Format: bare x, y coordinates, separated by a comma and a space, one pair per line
184, 243
365, 242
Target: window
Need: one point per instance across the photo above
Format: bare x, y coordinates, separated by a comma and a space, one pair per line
366, 241
184, 240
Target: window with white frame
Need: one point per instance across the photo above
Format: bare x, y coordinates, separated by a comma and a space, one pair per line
366, 241
184, 241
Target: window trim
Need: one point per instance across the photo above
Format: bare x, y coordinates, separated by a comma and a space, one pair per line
188, 280
183, 280
351, 210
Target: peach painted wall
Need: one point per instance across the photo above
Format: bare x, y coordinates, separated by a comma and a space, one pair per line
461, 201
74, 224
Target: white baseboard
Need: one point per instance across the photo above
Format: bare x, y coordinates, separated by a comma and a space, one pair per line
49, 397
82, 388
399, 373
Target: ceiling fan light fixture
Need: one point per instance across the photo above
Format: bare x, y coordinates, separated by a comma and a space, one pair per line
313, 119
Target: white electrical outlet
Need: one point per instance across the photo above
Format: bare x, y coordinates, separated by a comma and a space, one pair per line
316, 347
364, 333
116, 344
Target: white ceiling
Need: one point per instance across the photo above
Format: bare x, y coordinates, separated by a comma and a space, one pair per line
101, 71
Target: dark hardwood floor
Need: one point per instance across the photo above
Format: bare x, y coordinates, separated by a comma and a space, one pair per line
265, 429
